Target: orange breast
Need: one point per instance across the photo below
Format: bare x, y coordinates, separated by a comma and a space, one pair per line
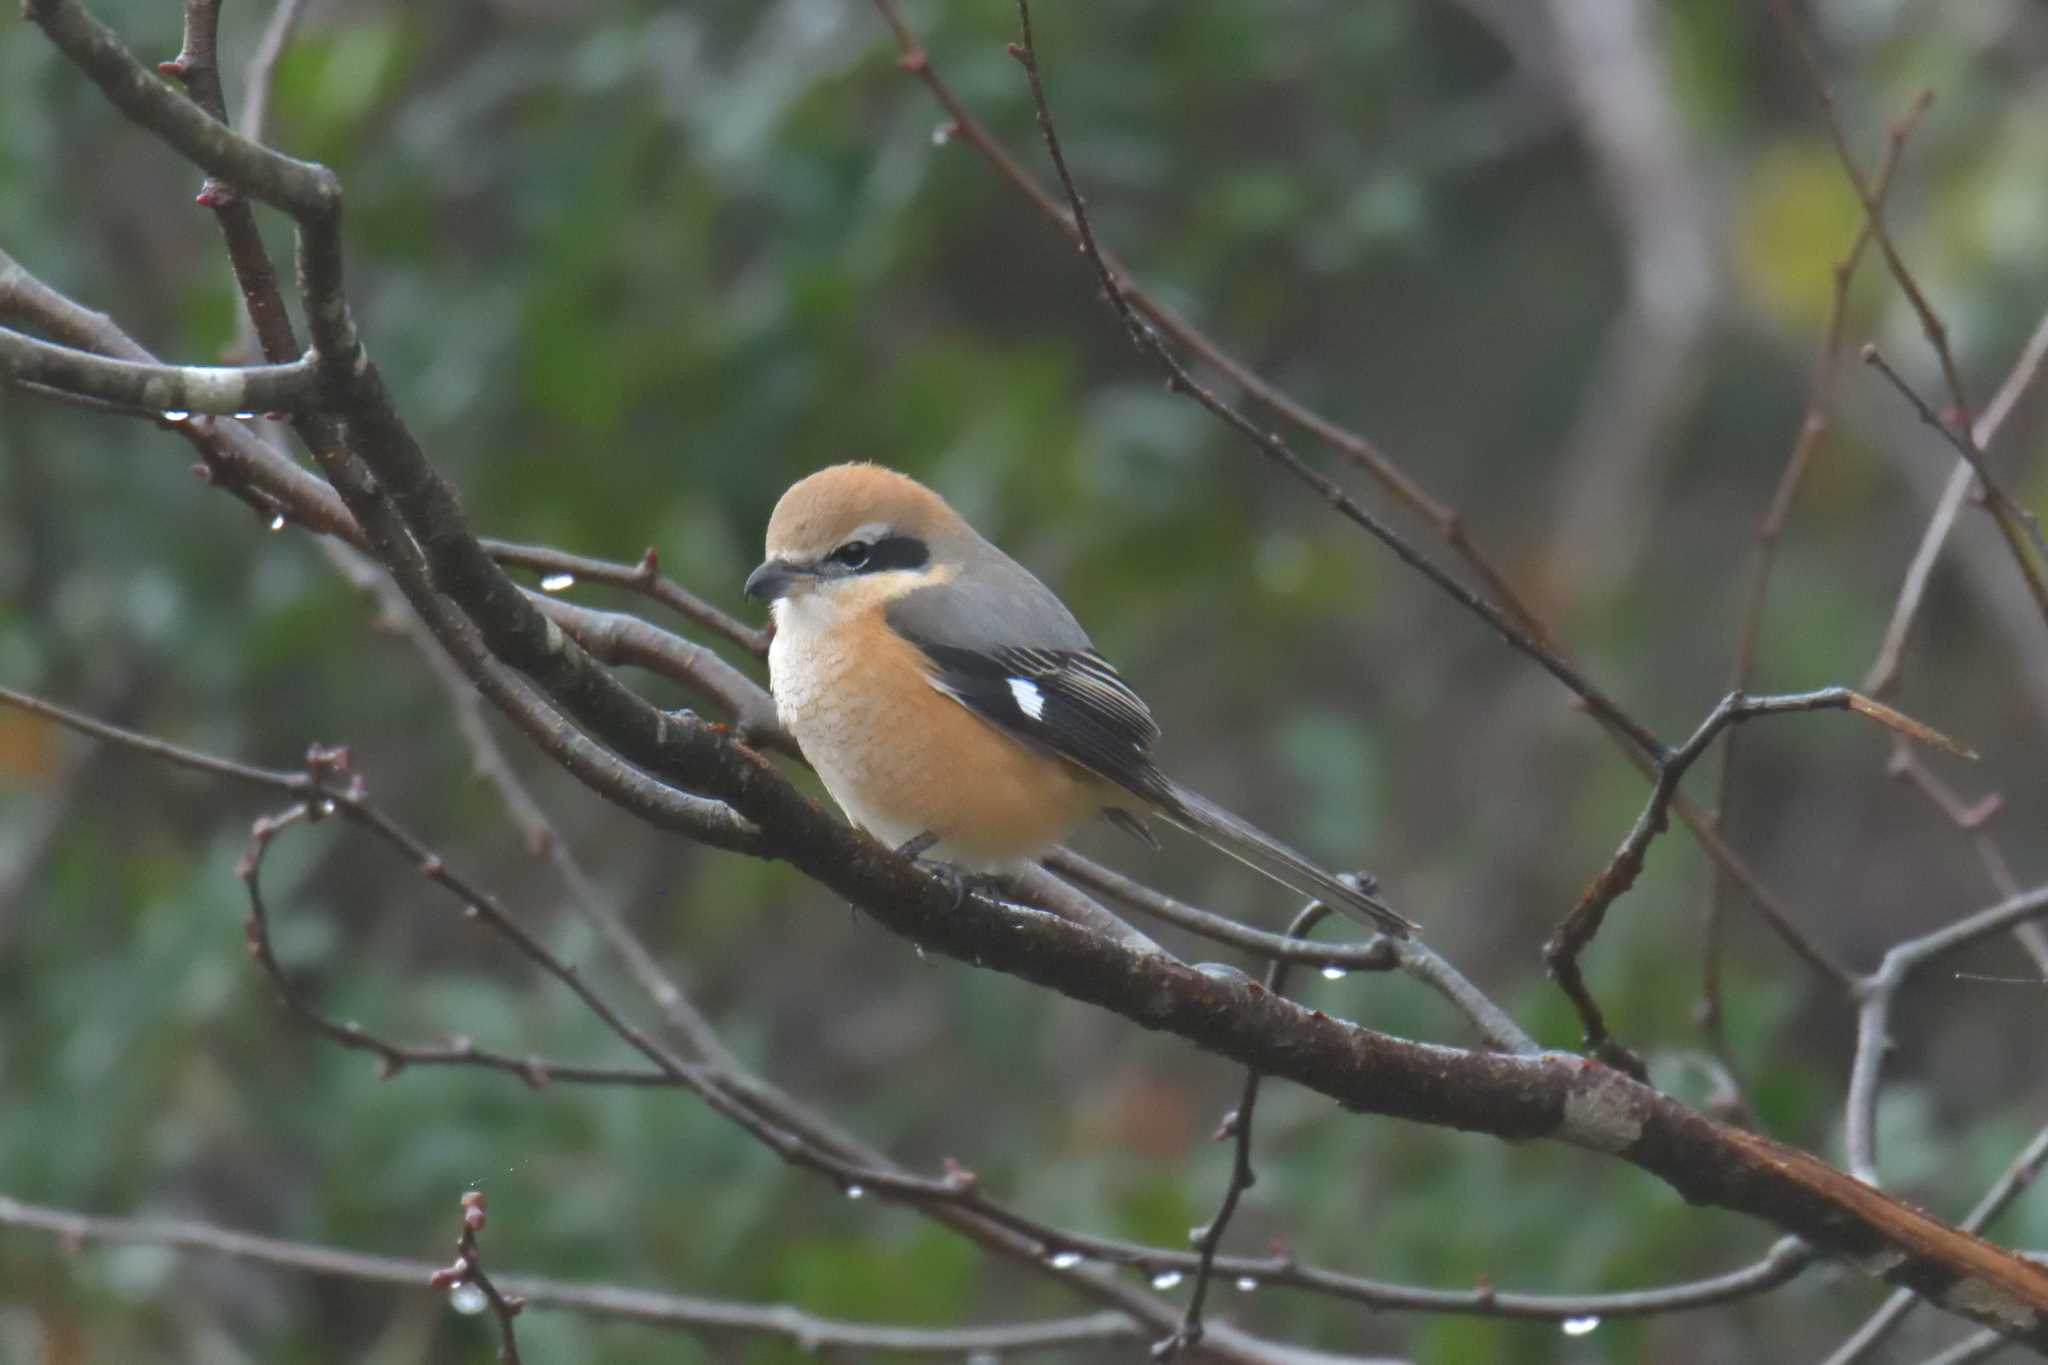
902, 758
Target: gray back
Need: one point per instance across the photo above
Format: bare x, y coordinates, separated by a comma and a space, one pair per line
993, 603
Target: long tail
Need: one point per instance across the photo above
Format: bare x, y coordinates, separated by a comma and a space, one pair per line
1262, 853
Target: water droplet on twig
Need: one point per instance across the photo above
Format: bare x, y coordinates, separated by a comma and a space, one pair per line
467, 1299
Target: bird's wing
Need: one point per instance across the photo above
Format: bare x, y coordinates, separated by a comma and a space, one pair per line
1068, 702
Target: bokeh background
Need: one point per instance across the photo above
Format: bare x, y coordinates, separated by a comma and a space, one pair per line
633, 268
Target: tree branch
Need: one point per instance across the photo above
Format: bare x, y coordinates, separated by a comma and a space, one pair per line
175, 391
713, 1316
1559, 1096
1393, 480
1577, 929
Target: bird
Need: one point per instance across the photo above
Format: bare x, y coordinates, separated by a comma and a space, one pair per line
952, 705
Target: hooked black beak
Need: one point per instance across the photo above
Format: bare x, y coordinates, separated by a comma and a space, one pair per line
772, 579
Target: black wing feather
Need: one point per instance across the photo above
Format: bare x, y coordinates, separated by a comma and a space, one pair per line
1084, 712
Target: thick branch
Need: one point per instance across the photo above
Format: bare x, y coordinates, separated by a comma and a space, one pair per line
177, 391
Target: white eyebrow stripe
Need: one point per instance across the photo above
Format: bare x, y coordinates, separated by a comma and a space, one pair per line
1030, 700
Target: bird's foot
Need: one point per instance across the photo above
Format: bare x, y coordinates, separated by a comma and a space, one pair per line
958, 881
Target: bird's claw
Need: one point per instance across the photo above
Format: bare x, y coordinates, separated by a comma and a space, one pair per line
959, 883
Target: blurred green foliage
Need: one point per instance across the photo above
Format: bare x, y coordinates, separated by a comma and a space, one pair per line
632, 269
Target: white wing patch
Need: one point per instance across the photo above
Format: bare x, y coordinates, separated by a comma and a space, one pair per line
1030, 700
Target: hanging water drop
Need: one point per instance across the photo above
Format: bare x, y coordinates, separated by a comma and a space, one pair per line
277, 522
856, 1191
558, 582
1578, 1327
943, 134
245, 417
177, 415
1246, 1284
1334, 973
1166, 1279
1064, 1260
467, 1299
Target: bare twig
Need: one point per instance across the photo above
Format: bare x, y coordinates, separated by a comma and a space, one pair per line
2012, 519
756, 1108
2014, 524
198, 66
562, 570
1391, 478
232, 456
1975, 1347
1577, 929
468, 1272
1884, 670
392, 1058
1973, 821
716, 1316
1597, 1111
616, 638
1395, 481
1812, 430
1873, 208
1147, 341
1382, 954
536, 831
414, 522
1876, 993
1237, 1126
259, 80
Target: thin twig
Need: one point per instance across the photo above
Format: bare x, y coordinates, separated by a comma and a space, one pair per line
1382, 954
2011, 518
1972, 819
1396, 482
720, 1316
536, 830
562, 570
1392, 479
2014, 523
754, 1107
198, 65
1577, 929
1971, 1349
468, 1270
393, 1058
260, 79
1812, 430
1876, 993
1237, 1125
616, 638
1146, 339
1884, 670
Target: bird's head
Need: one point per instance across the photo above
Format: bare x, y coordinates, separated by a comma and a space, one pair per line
855, 530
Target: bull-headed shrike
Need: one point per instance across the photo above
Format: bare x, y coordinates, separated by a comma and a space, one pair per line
950, 702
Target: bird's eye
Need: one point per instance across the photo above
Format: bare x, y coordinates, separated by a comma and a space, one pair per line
852, 555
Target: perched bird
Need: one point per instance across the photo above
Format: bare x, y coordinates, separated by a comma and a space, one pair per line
950, 702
